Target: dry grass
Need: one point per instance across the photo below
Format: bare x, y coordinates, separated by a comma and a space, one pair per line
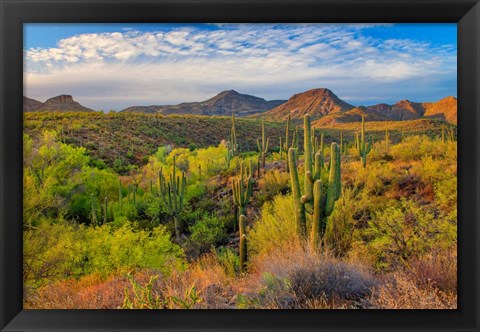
303, 278
400, 291
437, 268
90, 292
206, 276
428, 282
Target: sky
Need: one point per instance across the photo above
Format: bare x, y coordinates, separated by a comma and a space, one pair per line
113, 66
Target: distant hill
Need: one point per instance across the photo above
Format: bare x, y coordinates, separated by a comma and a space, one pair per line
62, 103
30, 105
445, 109
225, 103
403, 110
326, 108
353, 115
316, 102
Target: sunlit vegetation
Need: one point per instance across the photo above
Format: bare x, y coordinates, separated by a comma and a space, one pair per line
154, 212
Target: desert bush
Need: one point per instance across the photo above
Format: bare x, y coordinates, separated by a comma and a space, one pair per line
404, 230
62, 250
228, 260
341, 224
89, 292
446, 197
50, 175
275, 182
437, 268
416, 147
305, 278
401, 292
431, 170
206, 232
275, 228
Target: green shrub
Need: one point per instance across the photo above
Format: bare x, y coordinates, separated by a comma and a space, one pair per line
229, 261
341, 224
62, 250
404, 230
207, 232
275, 228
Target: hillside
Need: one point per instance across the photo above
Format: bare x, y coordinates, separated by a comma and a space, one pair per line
316, 102
444, 109
403, 110
62, 103
353, 115
325, 105
225, 103
131, 137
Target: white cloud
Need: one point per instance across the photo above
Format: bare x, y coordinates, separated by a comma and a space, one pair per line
273, 61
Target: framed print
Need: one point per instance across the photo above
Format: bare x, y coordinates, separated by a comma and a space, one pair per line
239, 160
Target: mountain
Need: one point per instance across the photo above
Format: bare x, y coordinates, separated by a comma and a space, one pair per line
224, 103
444, 109
62, 103
316, 102
30, 105
403, 110
353, 115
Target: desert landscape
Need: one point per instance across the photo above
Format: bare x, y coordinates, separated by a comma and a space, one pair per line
237, 201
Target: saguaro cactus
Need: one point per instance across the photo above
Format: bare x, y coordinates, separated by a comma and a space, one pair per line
242, 190
172, 195
120, 193
243, 242
233, 138
285, 146
363, 147
263, 147
324, 198
317, 200
295, 140
105, 210
94, 213
343, 145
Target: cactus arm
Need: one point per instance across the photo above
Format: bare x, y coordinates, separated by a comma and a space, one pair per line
317, 210
318, 165
243, 242
307, 143
338, 173
332, 178
300, 217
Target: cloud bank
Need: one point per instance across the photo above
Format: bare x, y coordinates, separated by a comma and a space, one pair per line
119, 69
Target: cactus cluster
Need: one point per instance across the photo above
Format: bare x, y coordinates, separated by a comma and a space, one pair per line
172, 194
318, 199
362, 146
263, 147
447, 134
103, 214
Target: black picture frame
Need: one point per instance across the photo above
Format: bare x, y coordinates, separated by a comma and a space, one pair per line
14, 13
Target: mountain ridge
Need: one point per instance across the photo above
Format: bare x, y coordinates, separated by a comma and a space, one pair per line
224, 103
60, 103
